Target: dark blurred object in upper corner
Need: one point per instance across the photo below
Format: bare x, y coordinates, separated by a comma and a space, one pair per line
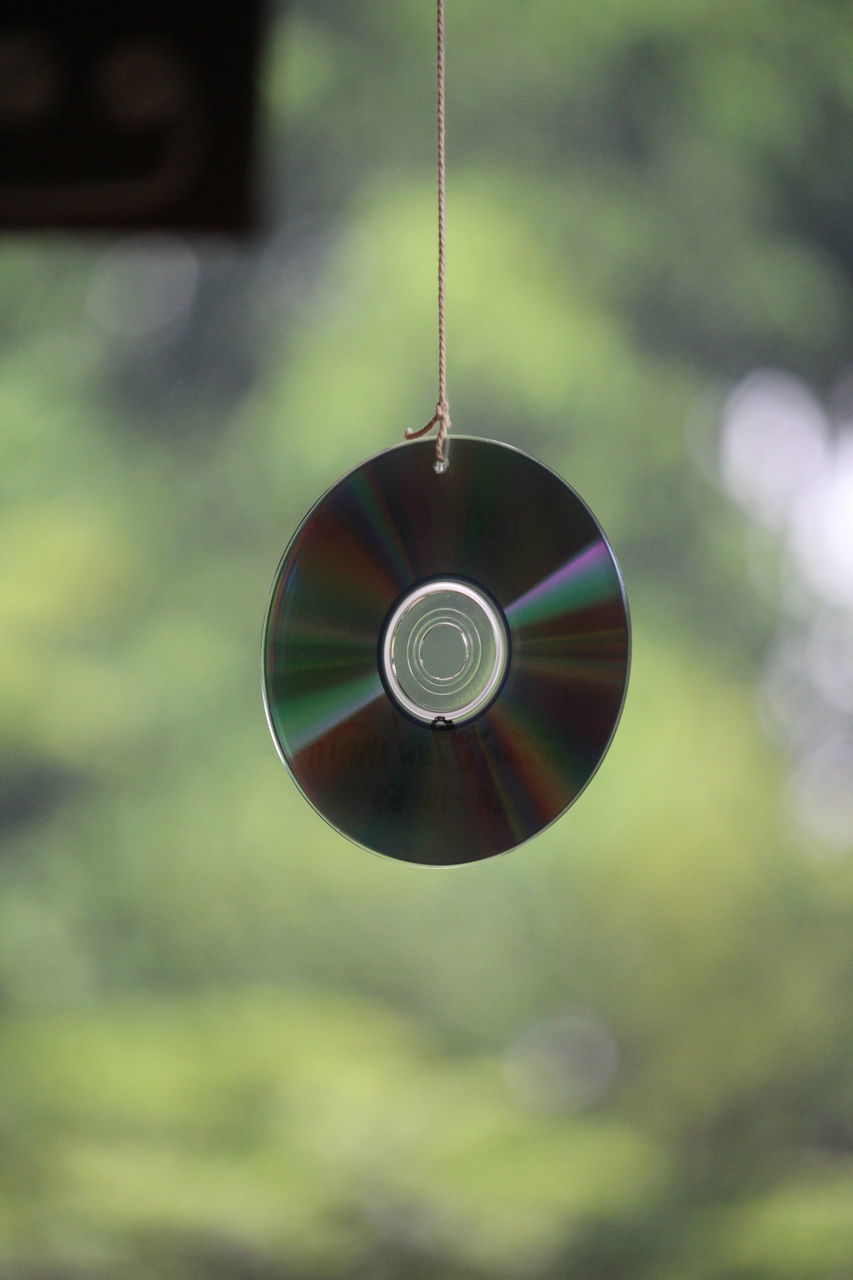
128, 113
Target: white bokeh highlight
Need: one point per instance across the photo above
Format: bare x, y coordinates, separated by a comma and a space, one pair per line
790, 468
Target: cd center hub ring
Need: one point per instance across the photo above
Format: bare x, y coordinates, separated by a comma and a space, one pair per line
444, 651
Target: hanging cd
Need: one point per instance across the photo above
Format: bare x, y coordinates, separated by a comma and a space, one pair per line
445, 657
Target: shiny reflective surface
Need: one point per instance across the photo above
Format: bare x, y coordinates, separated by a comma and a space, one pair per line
374, 603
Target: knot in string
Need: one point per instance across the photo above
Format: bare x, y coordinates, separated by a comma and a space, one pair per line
440, 419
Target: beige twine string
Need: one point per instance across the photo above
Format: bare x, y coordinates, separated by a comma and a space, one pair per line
441, 417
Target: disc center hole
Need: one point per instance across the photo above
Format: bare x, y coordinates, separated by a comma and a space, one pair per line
444, 651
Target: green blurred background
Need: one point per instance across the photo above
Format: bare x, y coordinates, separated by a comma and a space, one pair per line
233, 1045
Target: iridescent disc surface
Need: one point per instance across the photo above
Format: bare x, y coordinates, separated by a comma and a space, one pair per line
445, 657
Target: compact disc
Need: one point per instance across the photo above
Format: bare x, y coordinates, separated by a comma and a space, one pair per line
445, 656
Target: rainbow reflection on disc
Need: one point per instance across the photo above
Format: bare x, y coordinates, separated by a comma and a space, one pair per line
446, 657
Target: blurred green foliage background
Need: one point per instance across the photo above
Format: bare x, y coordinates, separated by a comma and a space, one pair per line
234, 1046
